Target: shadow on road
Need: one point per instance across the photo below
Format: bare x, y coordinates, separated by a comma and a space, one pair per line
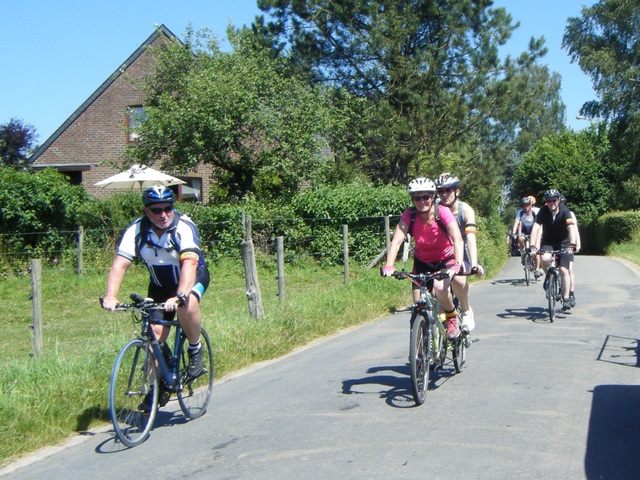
613, 441
164, 418
621, 351
399, 394
535, 314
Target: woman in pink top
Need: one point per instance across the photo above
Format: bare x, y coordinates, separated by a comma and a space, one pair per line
438, 245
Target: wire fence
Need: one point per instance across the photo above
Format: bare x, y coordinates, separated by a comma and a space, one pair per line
320, 239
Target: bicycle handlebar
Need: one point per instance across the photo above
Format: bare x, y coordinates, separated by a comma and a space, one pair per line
139, 303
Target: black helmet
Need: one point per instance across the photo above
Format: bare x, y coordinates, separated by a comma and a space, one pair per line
526, 201
448, 180
551, 193
157, 194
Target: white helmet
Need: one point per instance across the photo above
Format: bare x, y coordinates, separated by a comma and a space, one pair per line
421, 184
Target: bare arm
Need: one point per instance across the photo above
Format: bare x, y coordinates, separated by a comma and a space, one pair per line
397, 241
119, 267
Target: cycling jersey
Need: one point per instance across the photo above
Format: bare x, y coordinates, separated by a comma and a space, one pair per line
527, 219
555, 229
162, 255
432, 243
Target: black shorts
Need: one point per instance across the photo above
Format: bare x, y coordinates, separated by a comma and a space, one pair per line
161, 293
565, 259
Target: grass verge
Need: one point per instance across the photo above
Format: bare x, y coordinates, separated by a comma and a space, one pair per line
45, 399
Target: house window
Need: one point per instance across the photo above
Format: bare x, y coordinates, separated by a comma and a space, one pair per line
192, 191
136, 116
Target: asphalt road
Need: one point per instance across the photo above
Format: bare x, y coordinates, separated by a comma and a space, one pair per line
537, 400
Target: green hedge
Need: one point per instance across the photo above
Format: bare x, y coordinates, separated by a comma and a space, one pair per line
616, 227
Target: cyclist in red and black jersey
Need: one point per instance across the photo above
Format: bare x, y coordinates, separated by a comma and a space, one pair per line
554, 229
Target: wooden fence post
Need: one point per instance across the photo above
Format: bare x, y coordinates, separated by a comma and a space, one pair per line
387, 231
80, 248
345, 252
280, 256
251, 272
36, 299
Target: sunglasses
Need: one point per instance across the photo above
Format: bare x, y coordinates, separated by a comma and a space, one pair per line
417, 198
445, 190
158, 211
552, 200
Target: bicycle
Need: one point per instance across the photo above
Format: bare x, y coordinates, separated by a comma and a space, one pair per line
527, 261
552, 284
142, 367
429, 343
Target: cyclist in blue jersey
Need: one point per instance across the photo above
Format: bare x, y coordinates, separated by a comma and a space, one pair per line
168, 244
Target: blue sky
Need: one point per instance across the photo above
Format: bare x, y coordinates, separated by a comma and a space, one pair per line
56, 53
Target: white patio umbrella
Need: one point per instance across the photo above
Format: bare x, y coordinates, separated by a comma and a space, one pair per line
138, 176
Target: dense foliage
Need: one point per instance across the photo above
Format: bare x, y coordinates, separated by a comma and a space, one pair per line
39, 212
263, 132
573, 163
604, 40
439, 96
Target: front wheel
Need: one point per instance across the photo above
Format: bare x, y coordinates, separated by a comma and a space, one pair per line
132, 380
195, 393
552, 288
527, 269
419, 358
459, 352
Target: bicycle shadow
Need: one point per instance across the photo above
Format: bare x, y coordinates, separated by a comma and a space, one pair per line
534, 314
398, 394
171, 415
516, 282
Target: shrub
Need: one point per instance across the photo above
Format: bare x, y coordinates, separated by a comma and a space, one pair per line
616, 227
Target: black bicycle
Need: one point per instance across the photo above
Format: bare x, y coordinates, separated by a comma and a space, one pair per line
527, 261
429, 344
143, 371
552, 284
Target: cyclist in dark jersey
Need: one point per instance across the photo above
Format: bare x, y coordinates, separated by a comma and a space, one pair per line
554, 229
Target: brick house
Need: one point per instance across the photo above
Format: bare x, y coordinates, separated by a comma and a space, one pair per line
95, 136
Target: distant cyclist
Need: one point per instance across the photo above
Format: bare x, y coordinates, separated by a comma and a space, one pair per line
438, 245
522, 226
448, 188
554, 230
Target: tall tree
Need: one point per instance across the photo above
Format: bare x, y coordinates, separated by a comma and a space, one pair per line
430, 70
263, 132
17, 141
605, 41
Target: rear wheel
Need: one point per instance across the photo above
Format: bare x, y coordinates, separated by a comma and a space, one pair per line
132, 379
552, 289
195, 393
419, 358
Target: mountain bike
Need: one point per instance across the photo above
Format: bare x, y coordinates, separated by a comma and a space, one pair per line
145, 367
552, 285
429, 343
